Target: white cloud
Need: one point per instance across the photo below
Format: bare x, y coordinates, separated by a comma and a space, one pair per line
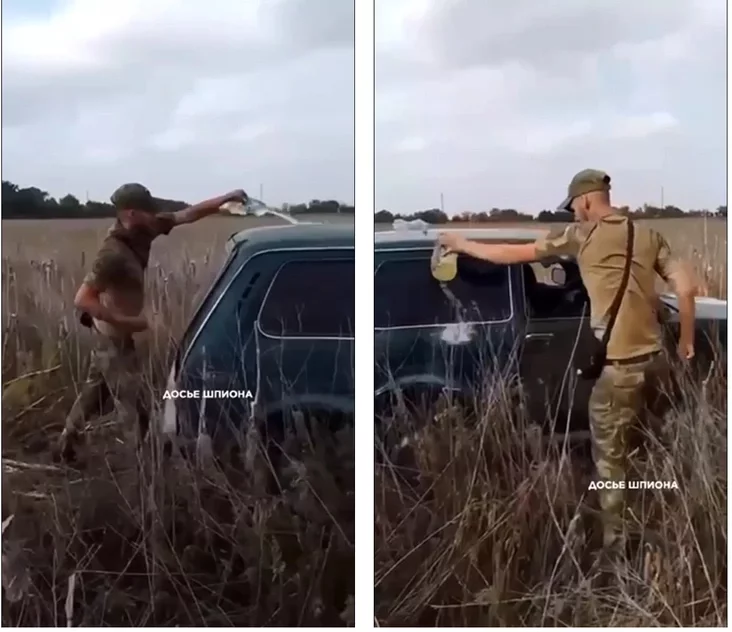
190, 98
512, 98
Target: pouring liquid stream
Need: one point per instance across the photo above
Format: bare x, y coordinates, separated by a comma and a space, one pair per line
256, 208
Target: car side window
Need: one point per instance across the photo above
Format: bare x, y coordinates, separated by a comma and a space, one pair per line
406, 294
310, 299
546, 298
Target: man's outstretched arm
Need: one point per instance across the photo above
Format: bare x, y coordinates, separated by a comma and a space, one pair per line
206, 208
497, 253
564, 244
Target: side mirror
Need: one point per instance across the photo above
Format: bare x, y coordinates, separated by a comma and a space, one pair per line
558, 275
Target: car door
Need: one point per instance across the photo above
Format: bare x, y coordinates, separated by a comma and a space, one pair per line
305, 333
557, 324
422, 340
219, 352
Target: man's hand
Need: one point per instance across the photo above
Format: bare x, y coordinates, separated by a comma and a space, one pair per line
237, 195
208, 207
452, 242
686, 349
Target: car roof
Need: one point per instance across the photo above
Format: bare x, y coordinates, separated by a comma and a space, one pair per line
300, 235
418, 238
320, 235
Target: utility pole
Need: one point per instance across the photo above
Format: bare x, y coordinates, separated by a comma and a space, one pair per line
261, 192
442, 202
662, 206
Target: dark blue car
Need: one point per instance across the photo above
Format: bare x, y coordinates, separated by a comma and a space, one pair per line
273, 336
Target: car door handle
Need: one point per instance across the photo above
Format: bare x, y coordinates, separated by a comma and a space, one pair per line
540, 337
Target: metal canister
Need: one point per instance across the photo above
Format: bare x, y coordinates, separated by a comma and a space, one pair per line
443, 264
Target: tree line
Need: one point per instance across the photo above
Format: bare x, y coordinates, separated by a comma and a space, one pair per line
34, 203
437, 216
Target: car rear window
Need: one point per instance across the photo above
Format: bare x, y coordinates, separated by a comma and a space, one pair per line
406, 294
313, 299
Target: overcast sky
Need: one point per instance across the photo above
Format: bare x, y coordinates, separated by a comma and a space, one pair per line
500, 103
191, 98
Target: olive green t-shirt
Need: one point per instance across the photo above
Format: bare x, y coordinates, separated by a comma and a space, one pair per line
600, 251
123, 256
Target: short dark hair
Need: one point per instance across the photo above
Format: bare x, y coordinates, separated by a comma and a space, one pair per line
133, 196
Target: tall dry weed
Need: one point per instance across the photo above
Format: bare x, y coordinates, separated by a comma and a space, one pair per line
130, 540
482, 521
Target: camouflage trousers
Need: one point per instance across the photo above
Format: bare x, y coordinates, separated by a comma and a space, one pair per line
114, 377
628, 398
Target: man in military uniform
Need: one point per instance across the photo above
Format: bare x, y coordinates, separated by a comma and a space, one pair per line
111, 299
628, 385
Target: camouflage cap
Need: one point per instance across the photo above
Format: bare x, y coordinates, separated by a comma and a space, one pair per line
586, 181
133, 196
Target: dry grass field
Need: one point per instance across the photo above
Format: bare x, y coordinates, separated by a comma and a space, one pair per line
491, 534
117, 542
497, 527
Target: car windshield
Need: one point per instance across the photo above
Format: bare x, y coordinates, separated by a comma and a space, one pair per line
406, 294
